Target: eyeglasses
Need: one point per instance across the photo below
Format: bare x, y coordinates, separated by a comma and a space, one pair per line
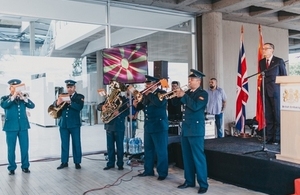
267, 48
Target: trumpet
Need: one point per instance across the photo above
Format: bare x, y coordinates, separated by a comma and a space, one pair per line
171, 94
24, 95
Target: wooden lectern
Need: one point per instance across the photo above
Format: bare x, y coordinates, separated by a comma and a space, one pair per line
290, 118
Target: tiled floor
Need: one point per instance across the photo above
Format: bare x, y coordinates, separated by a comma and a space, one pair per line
92, 179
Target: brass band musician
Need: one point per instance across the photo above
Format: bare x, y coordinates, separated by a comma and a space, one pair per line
69, 125
155, 129
174, 105
16, 125
193, 130
115, 128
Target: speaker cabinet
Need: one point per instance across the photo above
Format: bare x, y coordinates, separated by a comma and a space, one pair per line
161, 69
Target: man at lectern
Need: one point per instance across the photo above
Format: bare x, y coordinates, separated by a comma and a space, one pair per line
272, 66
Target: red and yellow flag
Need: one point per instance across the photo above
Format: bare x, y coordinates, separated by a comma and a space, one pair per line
259, 102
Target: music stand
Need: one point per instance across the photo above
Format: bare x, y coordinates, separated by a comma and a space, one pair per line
264, 148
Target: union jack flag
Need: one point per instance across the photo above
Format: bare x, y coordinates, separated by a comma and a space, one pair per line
242, 89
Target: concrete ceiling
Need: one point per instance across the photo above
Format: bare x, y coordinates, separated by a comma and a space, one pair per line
283, 14
273, 13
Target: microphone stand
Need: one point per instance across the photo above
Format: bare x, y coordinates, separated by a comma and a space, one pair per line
264, 148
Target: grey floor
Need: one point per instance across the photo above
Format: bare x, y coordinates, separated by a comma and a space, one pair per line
91, 179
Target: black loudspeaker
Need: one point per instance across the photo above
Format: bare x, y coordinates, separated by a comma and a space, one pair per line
175, 154
160, 69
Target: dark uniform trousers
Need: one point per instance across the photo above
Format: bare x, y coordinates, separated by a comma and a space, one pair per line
69, 125
192, 137
16, 126
155, 133
115, 132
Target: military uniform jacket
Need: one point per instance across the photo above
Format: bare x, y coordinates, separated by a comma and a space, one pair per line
70, 117
155, 111
272, 88
118, 123
15, 113
193, 118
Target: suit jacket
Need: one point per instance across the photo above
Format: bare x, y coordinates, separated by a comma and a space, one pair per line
70, 117
194, 105
15, 113
155, 111
118, 123
276, 68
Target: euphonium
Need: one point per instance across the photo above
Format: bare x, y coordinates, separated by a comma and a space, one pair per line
112, 103
55, 112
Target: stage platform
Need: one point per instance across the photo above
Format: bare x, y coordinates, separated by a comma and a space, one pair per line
242, 162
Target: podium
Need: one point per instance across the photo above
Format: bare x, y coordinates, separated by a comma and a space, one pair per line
290, 118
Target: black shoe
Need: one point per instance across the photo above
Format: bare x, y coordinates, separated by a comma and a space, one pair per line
107, 168
160, 178
202, 190
185, 185
11, 172
120, 168
77, 166
145, 174
26, 170
62, 165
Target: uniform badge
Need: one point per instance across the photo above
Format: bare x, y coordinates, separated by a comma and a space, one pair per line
201, 98
82, 99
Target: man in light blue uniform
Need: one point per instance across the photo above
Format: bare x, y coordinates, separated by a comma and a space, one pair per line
216, 104
69, 125
16, 125
155, 129
193, 131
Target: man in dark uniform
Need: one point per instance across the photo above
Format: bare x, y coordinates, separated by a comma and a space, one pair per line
155, 129
115, 130
174, 105
16, 125
69, 125
193, 131
273, 67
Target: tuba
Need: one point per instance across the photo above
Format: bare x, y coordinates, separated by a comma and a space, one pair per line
55, 112
112, 103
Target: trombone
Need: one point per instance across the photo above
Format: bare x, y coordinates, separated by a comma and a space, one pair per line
138, 95
171, 94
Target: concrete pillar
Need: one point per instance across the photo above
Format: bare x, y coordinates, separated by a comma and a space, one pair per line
99, 83
32, 38
212, 47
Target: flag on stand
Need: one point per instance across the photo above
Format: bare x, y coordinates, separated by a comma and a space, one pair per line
242, 89
259, 103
